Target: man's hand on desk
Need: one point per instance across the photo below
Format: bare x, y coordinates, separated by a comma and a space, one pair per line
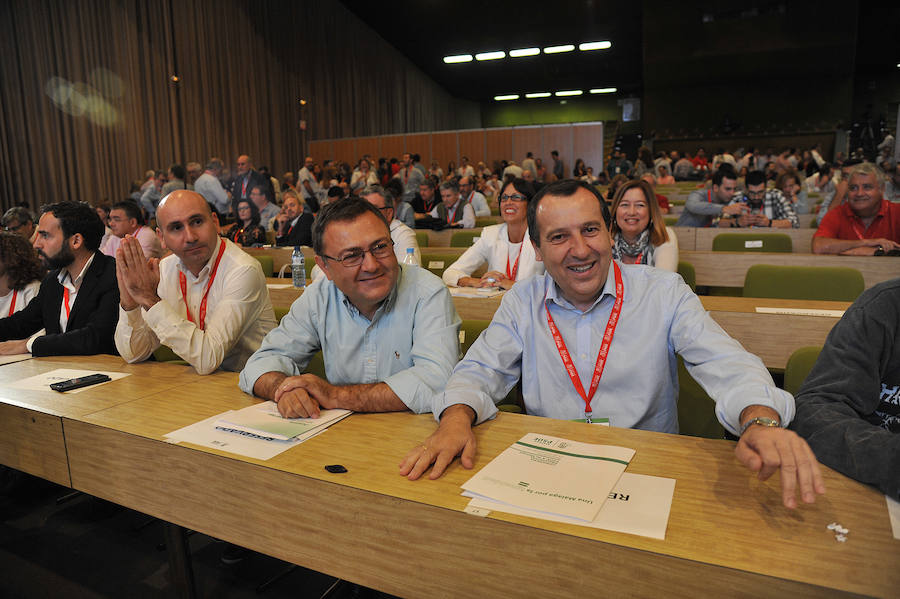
12, 348
765, 449
453, 437
302, 396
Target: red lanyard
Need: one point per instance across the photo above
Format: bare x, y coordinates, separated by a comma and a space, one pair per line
511, 274
66, 301
212, 277
12, 305
601, 355
451, 216
406, 175
244, 186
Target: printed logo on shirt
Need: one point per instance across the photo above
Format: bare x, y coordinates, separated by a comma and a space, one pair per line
888, 411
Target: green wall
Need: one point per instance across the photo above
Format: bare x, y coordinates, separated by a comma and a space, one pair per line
549, 111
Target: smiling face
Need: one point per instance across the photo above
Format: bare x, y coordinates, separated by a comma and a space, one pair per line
633, 213
188, 228
574, 245
369, 283
513, 206
864, 195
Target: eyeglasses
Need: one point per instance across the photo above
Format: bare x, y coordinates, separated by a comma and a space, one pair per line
354, 258
515, 197
384, 209
15, 228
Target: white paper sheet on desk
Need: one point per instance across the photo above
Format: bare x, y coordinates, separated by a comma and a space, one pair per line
279, 285
637, 505
894, 513
41, 382
552, 475
15, 358
205, 434
800, 312
483, 292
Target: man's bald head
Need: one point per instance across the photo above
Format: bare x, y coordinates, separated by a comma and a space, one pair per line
244, 163
187, 226
180, 200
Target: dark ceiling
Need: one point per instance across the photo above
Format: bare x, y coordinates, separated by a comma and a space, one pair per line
427, 30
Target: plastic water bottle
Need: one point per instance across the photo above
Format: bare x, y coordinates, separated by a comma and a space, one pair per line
298, 268
410, 257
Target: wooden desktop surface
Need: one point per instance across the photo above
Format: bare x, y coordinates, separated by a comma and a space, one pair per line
772, 337
727, 533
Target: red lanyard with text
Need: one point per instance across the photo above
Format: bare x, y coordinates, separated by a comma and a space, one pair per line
601, 355
450, 217
511, 274
12, 306
212, 276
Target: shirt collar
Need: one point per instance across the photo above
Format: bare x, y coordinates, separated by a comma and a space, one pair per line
552, 291
387, 303
76, 283
204, 272
882, 210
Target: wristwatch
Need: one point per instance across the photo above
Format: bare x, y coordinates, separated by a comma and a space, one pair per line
760, 420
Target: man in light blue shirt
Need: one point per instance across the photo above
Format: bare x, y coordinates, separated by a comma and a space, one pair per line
656, 316
388, 334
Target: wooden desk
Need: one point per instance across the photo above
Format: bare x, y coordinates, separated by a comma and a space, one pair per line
31, 431
801, 239
727, 534
728, 269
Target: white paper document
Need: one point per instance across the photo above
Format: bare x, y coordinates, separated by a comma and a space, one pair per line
550, 475
41, 382
475, 291
263, 420
800, 312
279, 285
205, 434
14, 358
894, 512
637, 505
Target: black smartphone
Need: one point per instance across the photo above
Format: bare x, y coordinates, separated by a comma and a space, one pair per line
78, 383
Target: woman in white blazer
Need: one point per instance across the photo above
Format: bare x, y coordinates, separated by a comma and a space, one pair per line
505, 248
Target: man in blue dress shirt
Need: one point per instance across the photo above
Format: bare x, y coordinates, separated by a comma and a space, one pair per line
388, 334
556, 331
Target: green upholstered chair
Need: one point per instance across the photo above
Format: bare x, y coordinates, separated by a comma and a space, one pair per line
798, 366
687, 272
463, 239
696, 409
437, 262
268, 265
752, 242
316, 366
468, 333
831, 283
486, 221
671, 221
280, 313
270, 237
164, 353
422, 239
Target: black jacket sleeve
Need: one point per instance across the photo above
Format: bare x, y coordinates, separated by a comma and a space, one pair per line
850, 403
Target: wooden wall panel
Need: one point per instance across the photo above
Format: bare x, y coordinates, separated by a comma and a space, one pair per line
559, 138
498, 143
370, 146
471, 144
321, 149
587, 142
420, 143
528, 139
392, 146
444, 149
345, 150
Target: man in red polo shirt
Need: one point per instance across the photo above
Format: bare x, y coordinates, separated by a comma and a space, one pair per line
865, 224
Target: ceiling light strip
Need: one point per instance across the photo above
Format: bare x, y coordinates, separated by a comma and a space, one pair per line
538, 95
558, 49
594, 46
507, 97
569, 92
458, 58
520, 52
490, 55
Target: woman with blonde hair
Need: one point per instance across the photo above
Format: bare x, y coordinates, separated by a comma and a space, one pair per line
638, 231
